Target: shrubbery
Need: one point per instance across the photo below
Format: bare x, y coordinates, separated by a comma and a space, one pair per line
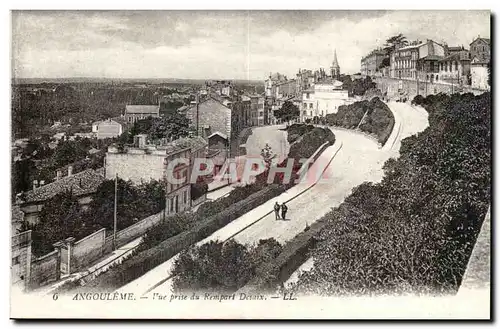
221, 267
146, 260
414, 231
378, 120
198, 190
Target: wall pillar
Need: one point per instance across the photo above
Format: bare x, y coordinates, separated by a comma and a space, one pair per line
58, 246
69, 243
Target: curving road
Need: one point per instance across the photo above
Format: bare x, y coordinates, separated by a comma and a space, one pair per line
410, 120
356, 159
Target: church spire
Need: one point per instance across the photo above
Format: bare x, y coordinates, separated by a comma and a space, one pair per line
335, 69
335, 63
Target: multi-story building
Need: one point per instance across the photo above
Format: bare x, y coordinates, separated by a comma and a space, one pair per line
142, 162
419, 61
479, 74
324, 99
454, 68
134, 113
271, 82
304, 80
21, 259
210, 116
370, 64
83, 185
480, 48
404, 62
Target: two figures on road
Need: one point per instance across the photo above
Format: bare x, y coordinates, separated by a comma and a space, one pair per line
283, 208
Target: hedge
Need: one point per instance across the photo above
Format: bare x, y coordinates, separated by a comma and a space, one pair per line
415, 230
379, 119
146, 260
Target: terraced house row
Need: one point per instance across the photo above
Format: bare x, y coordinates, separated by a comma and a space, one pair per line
432, 62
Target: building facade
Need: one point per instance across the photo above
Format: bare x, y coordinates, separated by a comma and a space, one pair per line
210, 116
479, 74
83, 185
322, 100
454, 69
143, 162
370, 64
480, 48
107, 129
417, 62
133, 113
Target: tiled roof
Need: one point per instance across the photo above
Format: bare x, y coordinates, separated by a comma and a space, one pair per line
482, 39
456, 57
17, 214
142, 109
82, 183
432, 58
193, 143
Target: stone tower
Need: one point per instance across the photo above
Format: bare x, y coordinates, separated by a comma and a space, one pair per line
335, 68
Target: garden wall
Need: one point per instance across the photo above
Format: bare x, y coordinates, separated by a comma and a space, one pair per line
149, 259
44, 270
87, 250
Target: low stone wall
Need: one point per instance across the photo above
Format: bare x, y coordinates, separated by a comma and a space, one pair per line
403, 88
88, 250
294, 254
138, 229
44, 270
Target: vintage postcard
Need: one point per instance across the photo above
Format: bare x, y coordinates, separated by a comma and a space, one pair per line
251, 164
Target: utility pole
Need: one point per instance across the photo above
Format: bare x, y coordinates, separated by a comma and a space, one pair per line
197, 113
114, 221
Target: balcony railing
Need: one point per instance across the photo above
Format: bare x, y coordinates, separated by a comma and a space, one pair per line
21, 239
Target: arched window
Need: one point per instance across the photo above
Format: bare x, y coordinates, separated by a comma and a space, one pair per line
437, 77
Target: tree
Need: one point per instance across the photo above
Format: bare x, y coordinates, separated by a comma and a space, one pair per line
268, 154
287, 112
171, 126
394, 42
59, 219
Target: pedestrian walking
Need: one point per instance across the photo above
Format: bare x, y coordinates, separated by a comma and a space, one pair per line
277, 210
284, 209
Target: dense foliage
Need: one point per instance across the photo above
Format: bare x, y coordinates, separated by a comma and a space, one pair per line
35, 107
172, 126
376, 118
297, 130
287, 112
198, 190
221, 267
63, 217
42, 163
414, 231
357, 87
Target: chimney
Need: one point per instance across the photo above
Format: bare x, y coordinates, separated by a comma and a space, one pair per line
70, 171
35, 184
58, 175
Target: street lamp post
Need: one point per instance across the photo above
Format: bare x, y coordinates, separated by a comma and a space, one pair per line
114, 219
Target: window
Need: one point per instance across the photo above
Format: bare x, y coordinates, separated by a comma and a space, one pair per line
311, 113
456, 66
437, 77
185, 197
310, 105
307, 95
305, 105
16, 261
446, 67
171, 204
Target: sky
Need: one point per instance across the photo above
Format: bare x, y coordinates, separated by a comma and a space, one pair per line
218, 44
